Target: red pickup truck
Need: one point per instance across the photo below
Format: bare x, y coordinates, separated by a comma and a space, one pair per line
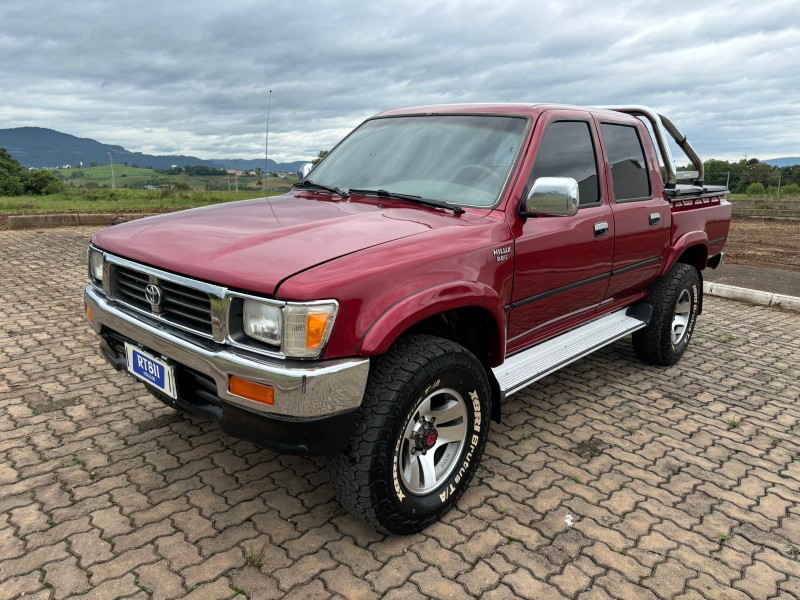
439, 259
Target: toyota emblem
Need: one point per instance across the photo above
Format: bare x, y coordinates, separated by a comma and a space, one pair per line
152, 294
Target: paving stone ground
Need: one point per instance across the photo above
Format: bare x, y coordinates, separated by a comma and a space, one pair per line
610, 479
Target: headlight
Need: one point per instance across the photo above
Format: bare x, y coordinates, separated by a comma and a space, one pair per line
262, 322
301, 330
95, 265
307, 328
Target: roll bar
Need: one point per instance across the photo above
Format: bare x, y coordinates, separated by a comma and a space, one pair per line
661, 125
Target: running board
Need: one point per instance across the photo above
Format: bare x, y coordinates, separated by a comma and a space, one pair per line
522, 369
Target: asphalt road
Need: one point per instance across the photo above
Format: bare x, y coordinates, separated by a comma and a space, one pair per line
756, 278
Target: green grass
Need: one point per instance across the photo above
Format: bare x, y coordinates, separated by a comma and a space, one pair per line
116, 201
767, 196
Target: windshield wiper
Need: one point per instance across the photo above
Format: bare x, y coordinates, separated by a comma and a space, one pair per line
308, 184
426, 201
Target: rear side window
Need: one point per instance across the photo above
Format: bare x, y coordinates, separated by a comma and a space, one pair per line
567, 150
628, 166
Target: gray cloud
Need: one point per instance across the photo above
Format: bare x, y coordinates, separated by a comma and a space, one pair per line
193, 77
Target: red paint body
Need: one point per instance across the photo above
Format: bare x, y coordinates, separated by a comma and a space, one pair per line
391, 264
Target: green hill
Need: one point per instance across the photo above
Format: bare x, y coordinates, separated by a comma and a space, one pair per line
46, 148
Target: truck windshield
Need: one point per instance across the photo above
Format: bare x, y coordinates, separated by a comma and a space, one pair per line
460, 159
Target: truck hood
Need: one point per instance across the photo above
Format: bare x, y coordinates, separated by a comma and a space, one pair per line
256, 244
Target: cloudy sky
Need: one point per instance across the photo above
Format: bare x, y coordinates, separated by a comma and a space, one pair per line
193, 77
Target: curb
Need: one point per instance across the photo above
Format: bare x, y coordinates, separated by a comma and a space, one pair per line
752, 296
64, 220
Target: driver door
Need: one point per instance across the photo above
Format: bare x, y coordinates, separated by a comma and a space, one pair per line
562, 264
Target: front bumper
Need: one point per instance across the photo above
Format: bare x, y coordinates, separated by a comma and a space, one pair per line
304, 391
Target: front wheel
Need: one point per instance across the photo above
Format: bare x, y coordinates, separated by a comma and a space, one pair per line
418, 437
675, 299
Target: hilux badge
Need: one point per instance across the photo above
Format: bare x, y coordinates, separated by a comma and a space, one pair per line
501, 254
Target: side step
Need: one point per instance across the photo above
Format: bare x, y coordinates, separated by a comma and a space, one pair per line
522, 369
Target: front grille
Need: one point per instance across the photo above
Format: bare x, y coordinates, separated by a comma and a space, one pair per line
180, 305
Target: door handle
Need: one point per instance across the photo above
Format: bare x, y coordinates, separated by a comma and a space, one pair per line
600, 229
655, 218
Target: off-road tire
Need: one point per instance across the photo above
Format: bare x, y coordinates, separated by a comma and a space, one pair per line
654, 343
365, 476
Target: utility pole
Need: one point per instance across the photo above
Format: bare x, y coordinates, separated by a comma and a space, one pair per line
229, 181
779, 182
236, 175
728, 181
113, 180
266, 147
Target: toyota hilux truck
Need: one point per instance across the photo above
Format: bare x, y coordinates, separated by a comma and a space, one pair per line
436, 261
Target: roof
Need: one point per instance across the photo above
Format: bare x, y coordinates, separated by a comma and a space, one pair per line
499, 108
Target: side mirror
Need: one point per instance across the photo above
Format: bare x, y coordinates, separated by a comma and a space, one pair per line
305, 170
552, 197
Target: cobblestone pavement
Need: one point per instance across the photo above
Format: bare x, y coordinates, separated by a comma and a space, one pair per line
609, 479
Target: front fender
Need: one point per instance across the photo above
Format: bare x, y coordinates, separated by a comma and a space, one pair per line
686, 241
412, 309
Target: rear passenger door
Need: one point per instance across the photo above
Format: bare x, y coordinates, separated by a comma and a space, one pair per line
641, 219
561, 264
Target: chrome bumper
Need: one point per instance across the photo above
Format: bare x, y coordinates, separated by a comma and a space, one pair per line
302, 389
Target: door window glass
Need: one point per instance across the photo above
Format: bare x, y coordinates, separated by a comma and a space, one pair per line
628, 166
567, 150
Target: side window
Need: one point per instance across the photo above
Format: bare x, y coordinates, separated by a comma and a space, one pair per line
628, 165
567, 150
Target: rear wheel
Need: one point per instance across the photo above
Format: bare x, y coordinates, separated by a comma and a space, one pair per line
418, 437
675, 299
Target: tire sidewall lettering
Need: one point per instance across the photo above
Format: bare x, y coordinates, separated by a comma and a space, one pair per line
469, 387
693, 288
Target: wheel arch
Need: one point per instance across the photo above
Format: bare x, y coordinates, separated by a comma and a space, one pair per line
690, 249
467, 313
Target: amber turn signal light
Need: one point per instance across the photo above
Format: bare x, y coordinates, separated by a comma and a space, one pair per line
90, 314
315, 329
251, 390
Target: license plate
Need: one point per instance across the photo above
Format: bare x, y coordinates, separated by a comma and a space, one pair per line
150, 369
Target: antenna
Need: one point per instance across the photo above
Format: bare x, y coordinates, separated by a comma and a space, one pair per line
266, 147
113, 180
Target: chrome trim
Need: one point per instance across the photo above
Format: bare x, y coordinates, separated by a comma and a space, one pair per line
214, 292
209, 288
303, 389
219, 296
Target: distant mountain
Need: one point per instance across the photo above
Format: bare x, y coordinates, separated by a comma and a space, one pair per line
38, 147
784, 161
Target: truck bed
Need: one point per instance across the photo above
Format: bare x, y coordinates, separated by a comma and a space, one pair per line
703, 212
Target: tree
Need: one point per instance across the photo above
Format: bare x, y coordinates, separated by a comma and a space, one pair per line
8, 166
10, 185
15, 180
320, 155
756, 189
41, 182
